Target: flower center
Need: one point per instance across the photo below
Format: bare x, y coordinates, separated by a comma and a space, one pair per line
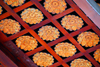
88, 37
55, 3
43, 58
65, 48
71, 22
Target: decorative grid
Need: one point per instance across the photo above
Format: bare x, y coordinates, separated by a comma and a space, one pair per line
7, 41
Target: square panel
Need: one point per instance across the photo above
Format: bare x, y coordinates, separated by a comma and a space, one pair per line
81, 57
43, 51
65, 41
27, 34
32, 6
13, 7
3, 10
51, 2
90, 30
49, 24
75, 14
92, 54
10, 17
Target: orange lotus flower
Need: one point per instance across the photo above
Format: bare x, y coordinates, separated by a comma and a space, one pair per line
55, 6
43, 59
9, 26
97, 55
65, 49
32, 16
14, 2
1, 10
48, 33
80, 63
72, 22
26, 43
88, 39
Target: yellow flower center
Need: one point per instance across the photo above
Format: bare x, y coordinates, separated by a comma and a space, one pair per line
55, 3
65, 48
88, 37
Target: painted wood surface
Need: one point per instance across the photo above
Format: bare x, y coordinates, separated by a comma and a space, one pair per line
24, 57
